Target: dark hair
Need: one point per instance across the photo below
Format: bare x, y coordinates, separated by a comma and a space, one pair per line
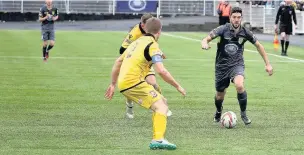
236, 10
145, 17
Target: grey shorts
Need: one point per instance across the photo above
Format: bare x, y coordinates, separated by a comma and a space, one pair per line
223, 83
48, 35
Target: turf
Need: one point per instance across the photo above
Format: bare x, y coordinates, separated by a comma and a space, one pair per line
58, 107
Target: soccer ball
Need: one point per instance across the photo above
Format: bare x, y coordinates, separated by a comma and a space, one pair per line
228, 120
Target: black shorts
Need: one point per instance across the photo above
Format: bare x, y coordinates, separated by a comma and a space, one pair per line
223, 83
286, 28
48, 35
223, 20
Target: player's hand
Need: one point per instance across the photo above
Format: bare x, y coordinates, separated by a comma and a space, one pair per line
296, 27
181, 90
164, 56
54, 18
276, 29
205, 45
110, 92
269, 69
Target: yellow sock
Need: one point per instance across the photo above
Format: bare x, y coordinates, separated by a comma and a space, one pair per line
159, 125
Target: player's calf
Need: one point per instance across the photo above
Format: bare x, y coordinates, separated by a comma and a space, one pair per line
129, 109
218, 101
159, 118
242, 98
44, 47
51, 45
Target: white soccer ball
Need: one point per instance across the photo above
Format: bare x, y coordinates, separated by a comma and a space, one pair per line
228, 120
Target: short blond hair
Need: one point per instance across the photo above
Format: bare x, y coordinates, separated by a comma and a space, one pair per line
153, 25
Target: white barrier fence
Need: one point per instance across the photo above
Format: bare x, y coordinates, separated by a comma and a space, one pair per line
260, 16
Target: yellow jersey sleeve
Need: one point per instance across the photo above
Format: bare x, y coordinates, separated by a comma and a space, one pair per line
155, 50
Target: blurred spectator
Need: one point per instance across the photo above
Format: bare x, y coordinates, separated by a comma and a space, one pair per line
223, 10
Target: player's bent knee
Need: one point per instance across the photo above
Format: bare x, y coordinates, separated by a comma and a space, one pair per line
239, 87
45, 43
220, 95
160, 107
52, 43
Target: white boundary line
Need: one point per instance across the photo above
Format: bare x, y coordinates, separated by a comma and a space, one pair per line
113, 58
197, 40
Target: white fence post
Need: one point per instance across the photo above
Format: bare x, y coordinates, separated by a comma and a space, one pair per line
250, 13
158, 9
113, 7
214, 8
204, 8
21, 9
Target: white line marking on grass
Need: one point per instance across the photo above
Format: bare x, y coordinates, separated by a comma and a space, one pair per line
113, 58
197, 40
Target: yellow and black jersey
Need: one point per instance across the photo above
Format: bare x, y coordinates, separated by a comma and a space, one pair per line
136, 32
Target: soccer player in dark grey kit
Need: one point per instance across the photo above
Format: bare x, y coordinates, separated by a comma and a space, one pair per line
230, 62
47, 16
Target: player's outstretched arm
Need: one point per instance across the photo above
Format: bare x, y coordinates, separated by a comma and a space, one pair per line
212, 35
165, 75
262, 52
114, 76
277, 18
205, 42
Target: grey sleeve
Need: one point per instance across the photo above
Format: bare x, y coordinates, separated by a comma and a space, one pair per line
250, 36
41, 12
219, 31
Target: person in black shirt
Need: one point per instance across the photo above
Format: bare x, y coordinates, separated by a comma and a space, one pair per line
47, 16
285, 14
229, 63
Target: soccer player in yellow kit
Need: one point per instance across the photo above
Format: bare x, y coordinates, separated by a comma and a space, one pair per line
129, 73
138, 31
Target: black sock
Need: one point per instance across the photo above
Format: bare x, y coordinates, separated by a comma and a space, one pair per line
242, 100
218, 104
49, 47
282, 44
43, 51
286, 46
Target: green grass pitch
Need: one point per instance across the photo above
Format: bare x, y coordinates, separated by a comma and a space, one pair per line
58, 107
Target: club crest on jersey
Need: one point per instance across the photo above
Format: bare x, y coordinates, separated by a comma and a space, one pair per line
140, 101
241, 40
231, 48
137, 5
53, 12
153, 93
130, 36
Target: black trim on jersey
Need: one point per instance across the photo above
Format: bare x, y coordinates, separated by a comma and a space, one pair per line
132, 86
122, 50
141, 29
151, 35
149, 75
146, 52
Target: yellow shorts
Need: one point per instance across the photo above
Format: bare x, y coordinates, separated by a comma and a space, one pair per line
151, 72
143, 94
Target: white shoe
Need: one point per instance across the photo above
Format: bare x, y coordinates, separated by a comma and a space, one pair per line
169, 113
129, 111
